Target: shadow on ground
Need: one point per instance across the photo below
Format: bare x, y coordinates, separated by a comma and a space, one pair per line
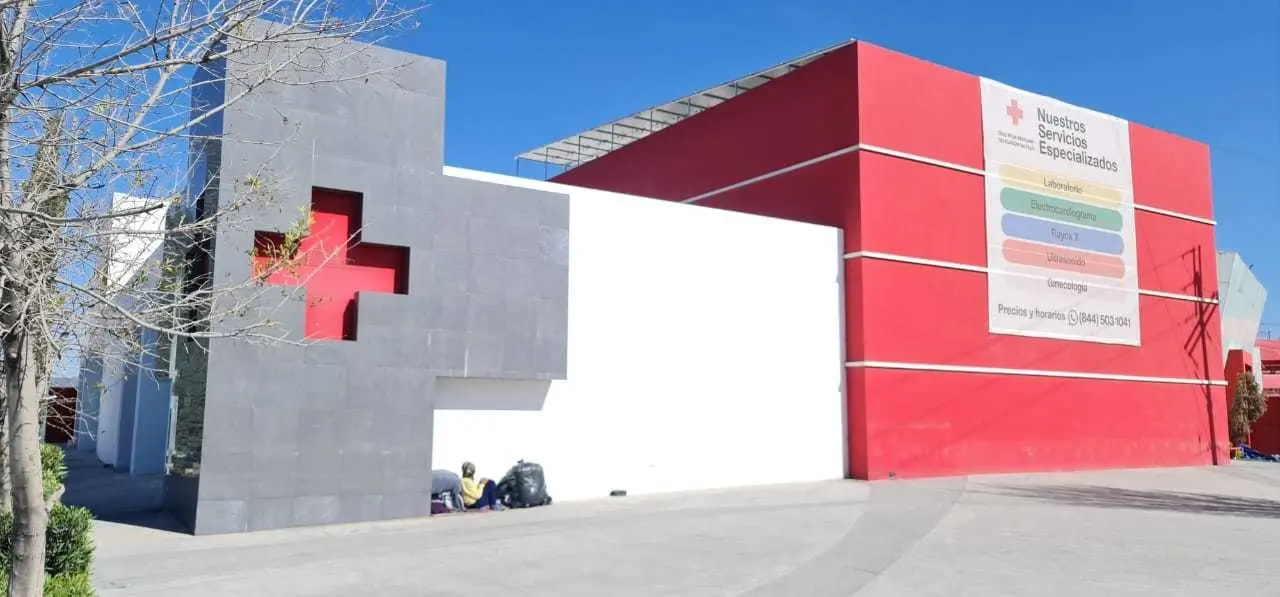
1133, 499
114, 496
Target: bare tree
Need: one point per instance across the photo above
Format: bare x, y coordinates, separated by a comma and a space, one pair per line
1248, 404
95, 102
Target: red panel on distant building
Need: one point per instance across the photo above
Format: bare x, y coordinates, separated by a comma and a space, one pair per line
1265, 437
60, 417
1269, 350
1266, 431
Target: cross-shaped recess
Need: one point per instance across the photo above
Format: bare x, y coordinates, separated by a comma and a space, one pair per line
332, 264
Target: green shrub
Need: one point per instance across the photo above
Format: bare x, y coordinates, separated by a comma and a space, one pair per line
68, 541
6, 541
53, 468
75, 585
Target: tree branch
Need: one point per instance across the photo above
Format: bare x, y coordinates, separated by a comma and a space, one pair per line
65, 221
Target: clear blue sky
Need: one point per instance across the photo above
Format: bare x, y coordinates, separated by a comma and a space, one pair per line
525, 73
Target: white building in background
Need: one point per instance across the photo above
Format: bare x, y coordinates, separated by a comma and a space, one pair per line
1241, 298
124, 405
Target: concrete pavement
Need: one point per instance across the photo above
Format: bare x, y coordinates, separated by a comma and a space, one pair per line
1208, 531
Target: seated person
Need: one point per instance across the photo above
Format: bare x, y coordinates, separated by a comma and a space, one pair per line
479, 494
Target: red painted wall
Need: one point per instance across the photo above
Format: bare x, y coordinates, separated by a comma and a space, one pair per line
1266, 431
1270, 352
938, 424
1264, 435
1238, 362
800, 116
935, 423
925, 423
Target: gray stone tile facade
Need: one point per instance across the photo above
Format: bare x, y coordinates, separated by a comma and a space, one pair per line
341, 431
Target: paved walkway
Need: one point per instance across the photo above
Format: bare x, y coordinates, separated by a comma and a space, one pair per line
115, 496
1211, 531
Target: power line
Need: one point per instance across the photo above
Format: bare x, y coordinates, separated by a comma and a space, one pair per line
1269, 331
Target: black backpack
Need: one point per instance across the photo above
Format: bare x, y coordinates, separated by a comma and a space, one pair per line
524, 486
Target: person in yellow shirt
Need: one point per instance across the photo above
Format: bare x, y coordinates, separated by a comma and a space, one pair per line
478, 494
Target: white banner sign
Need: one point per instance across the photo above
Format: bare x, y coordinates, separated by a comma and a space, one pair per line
1060, 232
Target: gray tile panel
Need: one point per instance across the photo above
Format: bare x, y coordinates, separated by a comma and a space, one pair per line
340, 431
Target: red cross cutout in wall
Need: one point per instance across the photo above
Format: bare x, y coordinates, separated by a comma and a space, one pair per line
333, 264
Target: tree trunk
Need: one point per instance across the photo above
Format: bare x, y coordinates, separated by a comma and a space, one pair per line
30, 520
6, 480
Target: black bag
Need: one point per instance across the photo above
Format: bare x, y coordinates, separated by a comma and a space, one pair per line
524, 486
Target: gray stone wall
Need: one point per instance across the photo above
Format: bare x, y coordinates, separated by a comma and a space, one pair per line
341, 431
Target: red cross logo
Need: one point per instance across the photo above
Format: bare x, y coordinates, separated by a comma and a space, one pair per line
333, 264
1014, 111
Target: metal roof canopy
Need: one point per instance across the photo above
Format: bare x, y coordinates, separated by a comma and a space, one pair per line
588, 145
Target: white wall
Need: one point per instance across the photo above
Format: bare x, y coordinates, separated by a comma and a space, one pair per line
112, 387
1241, 299
134, 248
704, 352
136, 241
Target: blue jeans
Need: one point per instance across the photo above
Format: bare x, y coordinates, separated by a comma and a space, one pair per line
488, 497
